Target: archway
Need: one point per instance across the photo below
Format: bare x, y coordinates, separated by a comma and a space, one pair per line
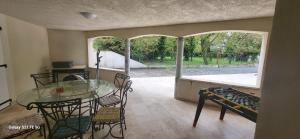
156, 52
236, 56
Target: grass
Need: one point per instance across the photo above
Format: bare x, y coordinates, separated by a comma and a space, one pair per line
197, 61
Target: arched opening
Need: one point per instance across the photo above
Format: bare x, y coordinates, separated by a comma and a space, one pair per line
111, 51
227, 57
111, 57
156, 52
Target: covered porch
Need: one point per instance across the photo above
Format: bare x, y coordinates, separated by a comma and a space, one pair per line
33, 35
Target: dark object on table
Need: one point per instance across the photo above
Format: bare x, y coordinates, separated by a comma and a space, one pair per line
67, 117
62, 64
18, 125
115, 97
60, 89
42, 79
244, 104
112, 116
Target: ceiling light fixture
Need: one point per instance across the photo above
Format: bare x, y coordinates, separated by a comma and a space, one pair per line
88, 15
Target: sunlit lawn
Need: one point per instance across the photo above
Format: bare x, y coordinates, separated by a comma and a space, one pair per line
197, 61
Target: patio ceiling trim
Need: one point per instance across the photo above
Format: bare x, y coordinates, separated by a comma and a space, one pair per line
254, 24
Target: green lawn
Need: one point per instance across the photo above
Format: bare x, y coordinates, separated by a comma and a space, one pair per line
196, 61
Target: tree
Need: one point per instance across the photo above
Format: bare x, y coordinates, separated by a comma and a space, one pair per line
161, 47
238, 46
189, 48
206, 41
171, 47
109, 43
144, 48
243, 45
151, 48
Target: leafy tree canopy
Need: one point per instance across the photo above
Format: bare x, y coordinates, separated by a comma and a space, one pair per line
151, 48
109, 43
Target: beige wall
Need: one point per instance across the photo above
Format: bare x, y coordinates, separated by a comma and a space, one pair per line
257, 24
279, 113
68, 46
27, 52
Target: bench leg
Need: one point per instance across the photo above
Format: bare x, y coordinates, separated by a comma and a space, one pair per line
199, 108
223, 111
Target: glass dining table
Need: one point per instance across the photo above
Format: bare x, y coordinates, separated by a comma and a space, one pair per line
87, 90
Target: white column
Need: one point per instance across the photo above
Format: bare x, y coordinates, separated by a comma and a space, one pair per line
179, 55
261, 62
127, 56
279, 114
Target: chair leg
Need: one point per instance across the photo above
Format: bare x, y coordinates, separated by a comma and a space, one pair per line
44, 131
122, 130
93, 128
41, 131
125, 124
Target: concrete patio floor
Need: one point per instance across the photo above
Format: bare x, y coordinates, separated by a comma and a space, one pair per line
152, 112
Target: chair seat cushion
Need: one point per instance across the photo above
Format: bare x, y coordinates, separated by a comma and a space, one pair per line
21, 125
70, 127
107, 114
109, 100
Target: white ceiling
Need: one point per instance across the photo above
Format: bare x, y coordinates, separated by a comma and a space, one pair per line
64, 14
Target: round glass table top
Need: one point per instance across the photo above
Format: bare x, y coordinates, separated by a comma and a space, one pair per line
84, 89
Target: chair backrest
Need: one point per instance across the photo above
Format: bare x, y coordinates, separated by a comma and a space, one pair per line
127, 87
119, 81
58, 112
42, 79
123, 97
77, 76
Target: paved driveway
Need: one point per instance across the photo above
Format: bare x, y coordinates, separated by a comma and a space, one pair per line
159, 72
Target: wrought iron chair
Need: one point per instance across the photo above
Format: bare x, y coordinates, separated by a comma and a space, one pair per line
18, 121
77, 76
112, 116
115, 97
63, 118
42, 79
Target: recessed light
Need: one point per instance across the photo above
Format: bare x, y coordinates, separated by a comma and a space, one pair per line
88, 15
